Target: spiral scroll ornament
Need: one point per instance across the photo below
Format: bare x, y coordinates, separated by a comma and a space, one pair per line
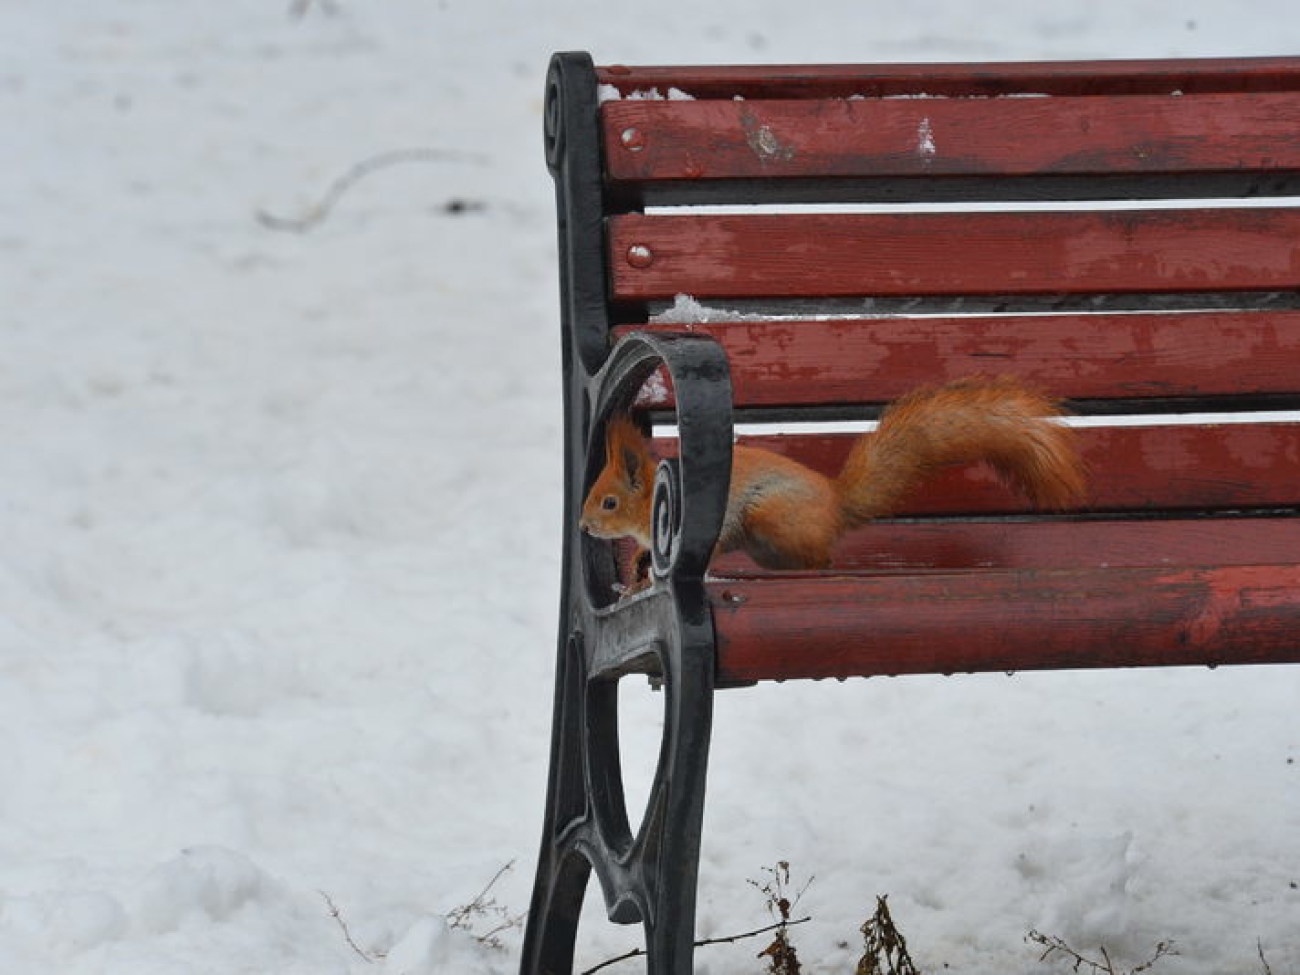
666, 515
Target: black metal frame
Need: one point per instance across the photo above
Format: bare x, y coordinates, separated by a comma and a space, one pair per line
665, 630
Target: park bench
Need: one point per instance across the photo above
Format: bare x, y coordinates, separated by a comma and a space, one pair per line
1114, 233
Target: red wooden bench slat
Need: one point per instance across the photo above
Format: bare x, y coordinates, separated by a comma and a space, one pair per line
841, 626
1062, 78
976, 253
800, 363
689, 140
1130, 468
890, 546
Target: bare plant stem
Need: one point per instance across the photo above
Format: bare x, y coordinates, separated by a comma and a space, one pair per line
729, 939
482, 907
343, 926
1057, 946
884, 947
458, 917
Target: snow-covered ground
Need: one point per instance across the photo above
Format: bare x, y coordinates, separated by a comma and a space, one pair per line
278, 532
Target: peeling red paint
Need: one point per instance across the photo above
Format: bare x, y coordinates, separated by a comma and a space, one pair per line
994, 621
872, 137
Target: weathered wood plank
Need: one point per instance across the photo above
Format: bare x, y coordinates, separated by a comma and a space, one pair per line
980, 253
1186, 354
877, 138
1060, 78
896, 547
842, 626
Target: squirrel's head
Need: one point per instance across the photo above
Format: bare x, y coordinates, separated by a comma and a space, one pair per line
618, 504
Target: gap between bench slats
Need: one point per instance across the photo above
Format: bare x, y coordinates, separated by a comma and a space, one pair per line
1188, 354
874, 138
892, 546
842, 626
1130, 468
657, 257
1061, 78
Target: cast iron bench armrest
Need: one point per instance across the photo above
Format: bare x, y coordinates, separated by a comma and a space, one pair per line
691, 491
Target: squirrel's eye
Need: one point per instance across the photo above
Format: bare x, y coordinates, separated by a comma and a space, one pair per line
609, 502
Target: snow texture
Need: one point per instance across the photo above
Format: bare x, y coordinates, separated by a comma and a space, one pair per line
278, 554
689, 310
925, 146
608, 93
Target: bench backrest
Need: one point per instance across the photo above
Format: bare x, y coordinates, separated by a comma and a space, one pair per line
978, 239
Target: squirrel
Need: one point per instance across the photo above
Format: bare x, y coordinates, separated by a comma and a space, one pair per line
787, 516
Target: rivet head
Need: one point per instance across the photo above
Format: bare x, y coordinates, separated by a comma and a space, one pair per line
639, 255
633, 140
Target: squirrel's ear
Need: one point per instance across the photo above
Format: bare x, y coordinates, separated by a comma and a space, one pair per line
625, 449
632, 462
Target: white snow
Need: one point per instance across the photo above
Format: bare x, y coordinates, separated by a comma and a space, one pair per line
278, 552
689, 310
608, 93
925, 145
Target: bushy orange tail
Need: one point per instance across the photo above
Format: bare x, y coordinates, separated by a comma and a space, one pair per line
998, 421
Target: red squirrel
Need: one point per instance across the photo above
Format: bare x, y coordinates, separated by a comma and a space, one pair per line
788, 516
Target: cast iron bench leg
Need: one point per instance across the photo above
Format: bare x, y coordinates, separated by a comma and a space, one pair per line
651, 877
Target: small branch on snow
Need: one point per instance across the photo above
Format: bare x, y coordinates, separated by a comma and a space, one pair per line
319, 211
1054, 945
347, 935
486, 906
729, 939
1259, 945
